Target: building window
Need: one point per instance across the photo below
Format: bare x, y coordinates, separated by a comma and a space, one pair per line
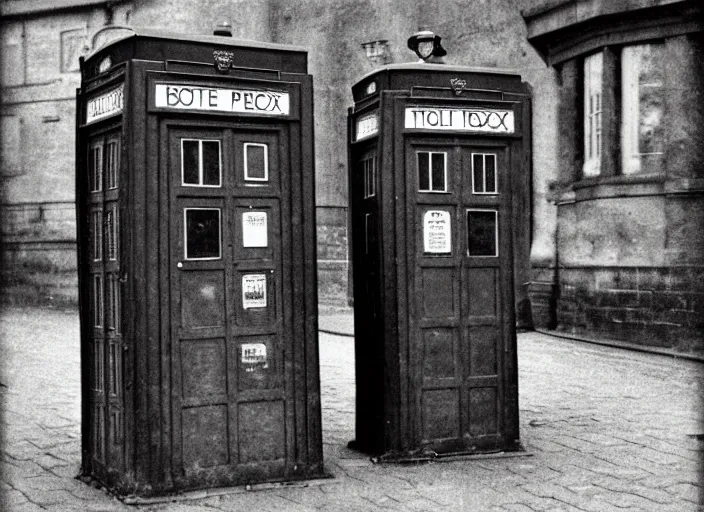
642, 103
593, 86
432, 171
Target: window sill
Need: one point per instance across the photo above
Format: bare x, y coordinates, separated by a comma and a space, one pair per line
636, 185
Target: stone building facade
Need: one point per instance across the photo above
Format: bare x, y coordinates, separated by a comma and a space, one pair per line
628, 256
608, 250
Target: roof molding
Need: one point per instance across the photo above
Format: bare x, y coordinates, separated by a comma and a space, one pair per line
23, 8
562, 29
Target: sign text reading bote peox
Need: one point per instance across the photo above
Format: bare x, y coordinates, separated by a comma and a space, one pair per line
105, 105
190, 97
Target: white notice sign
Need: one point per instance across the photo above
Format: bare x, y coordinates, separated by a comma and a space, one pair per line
191, 97
254, 356
253, 291
254, 229
437, 232
105, 105
476, 119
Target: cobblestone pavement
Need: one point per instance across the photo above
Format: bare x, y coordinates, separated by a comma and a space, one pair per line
608, 430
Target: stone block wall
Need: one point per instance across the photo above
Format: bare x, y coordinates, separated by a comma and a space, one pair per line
654, 306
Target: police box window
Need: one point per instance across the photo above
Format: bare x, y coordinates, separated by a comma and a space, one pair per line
256, 162
112, 162
432, 171
484, 173
202, 233
95, 167
482, 233
369, 170
201, 163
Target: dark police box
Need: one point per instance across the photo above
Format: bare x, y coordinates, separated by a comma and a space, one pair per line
196, 229
439, 176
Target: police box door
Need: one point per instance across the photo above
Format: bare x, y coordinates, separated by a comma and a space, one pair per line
230, 411
461, 313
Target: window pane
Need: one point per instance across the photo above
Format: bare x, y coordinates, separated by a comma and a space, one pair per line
439, 171
97, 235
423, 171
112, 164
490, 161
478, 173
643, 104
97, 300
481, 233
211, 162
255, 161
96, 169
189, 162
202, 233
593, 77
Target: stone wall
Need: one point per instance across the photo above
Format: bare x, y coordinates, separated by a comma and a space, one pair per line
656, 306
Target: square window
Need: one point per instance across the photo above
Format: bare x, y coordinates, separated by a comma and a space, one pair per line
202, 233
482, 233
256, 162
432, 171
484, 173
201, 163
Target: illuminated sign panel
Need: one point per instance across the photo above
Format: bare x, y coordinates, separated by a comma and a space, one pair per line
105, 105
367, 126
477, 119
241, 101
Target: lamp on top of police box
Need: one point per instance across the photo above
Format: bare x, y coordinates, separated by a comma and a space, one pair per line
426, 44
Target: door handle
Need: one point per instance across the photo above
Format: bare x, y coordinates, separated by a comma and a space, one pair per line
179, 264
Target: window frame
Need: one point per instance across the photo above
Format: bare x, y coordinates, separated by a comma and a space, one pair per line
200, 163
430, 172
185, 233
484, 180
266, 162
495, 211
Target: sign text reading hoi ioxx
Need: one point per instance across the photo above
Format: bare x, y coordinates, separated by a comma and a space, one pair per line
190, 97
460, 119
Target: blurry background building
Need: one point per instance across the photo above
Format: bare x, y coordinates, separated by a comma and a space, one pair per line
614, 242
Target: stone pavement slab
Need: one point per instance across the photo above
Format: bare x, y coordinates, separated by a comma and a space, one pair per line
607, 430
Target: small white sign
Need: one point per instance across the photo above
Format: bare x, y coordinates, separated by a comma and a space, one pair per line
254, 356
437, 232
253, 291
105, 105
254, 229
460, 119
367, 126
191, 97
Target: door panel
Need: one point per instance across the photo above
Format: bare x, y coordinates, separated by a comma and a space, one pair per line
229, 400
461, 256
